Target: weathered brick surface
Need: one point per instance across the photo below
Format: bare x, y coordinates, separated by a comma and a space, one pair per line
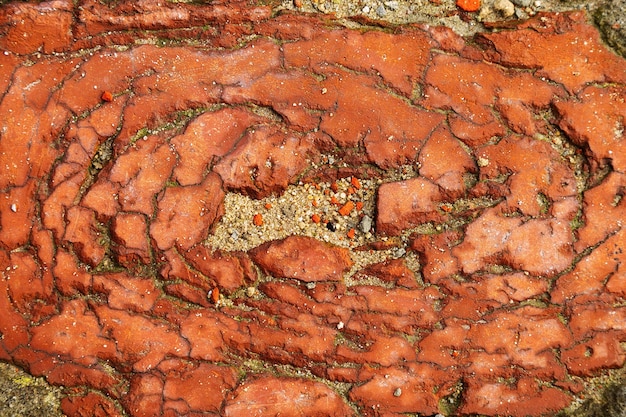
489, 279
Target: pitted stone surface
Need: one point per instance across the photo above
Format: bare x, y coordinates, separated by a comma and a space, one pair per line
461, 253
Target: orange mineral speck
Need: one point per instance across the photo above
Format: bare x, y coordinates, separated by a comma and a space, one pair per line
257, 220
359, 205
333, 200
316, 218
351, 233
346, 209
446, 208
107, 96
468, 5
268, 206
215, 295
334, 187
355, 183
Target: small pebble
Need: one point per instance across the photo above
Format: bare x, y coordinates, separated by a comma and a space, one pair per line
310, 285
522, 3
392, 5
504, 7
397, 392
14, 208
107, 96
380, 11
250, 291
366, 224
482, 162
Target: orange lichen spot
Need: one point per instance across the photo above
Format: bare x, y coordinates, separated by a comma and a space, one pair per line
355, 183
359, 205
214, 295
107, 96
268, 206
257, 220
316, 218
346, 208
334, 187
351, 233
468, 5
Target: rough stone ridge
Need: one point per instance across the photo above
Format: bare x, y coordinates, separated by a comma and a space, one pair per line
462, 253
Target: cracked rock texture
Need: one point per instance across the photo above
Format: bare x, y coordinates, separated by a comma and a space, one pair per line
490, 283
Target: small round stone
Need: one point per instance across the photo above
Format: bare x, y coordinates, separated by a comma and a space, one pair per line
366, 224
504, 7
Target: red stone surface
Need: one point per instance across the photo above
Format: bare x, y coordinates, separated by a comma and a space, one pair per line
492, 278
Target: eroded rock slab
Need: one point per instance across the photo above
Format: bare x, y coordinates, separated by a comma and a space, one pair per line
459, 250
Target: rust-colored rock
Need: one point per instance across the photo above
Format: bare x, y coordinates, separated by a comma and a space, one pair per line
75, 334
596, 123
366, 115
478, 87
270, 396
147, 345
603, 203
379, 393
400, 59
227, 271
198, 390
186, 214
89, 404
536, 172
602, 351
37, 28
302, 258
406, 204
207, 138
130, 232
444, 161
435, 253
593, 274
265, 161
16, 215
126, 292
540, 247
552, 41
83, 231
142, 172
395, 271
525, 397
493, 169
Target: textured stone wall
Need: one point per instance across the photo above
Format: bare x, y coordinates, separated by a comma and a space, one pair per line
488, 279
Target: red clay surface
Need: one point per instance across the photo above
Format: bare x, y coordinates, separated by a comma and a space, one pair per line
106, 200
